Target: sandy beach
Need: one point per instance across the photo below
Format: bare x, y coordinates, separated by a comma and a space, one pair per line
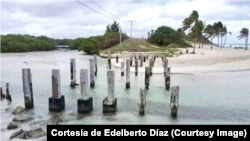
205, 60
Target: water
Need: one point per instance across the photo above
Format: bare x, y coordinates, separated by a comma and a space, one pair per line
210, 98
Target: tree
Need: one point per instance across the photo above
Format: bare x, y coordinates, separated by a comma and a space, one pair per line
193, 19
210, 33
244, 33
225, 32
113, 28
219, 27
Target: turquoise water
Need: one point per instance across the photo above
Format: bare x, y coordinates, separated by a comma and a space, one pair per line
205, 98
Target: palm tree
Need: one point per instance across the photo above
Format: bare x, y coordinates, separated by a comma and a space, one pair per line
244, 34
225, 32
219, 31
194, 17
209, 33
186, 25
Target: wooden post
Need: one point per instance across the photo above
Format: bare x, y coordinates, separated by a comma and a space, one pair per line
165, 66
56, 102
95, 62
128, 74
85, 103
109, 61
117, 60
136, 67
142, 103
1, 93
73, 72
28, 88
167, 79
8, 96
147, 77
91, 72
174, 100
110, 102
122, 68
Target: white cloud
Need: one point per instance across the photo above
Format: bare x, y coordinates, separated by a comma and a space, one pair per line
69, 19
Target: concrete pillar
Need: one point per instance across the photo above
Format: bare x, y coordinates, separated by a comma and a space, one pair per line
128, 74
8, 96
122, 68
57, 101
27, 88
110, 102
147, 77
142, 103
95, 63
91, 72
73, 72
85, 103
136, 67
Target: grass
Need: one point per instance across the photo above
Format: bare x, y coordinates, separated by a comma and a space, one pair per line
139, 45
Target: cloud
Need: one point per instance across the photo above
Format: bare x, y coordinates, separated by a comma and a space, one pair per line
70, 19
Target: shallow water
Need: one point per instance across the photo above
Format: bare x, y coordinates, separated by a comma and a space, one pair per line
209, 98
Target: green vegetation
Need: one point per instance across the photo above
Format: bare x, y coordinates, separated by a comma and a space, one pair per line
244, 33
165, 36
26, 43
111, 37
139, 45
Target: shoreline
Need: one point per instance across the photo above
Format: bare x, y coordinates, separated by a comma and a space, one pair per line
204, 61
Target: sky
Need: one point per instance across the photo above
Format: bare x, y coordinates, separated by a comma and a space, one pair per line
70, 19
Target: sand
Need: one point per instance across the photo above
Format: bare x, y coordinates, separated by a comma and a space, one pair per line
205, 60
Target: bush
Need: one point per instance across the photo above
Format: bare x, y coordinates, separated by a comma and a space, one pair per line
91, 45
112, 38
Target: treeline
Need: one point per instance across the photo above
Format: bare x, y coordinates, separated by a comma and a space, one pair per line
26, 43
93, 44
165, 35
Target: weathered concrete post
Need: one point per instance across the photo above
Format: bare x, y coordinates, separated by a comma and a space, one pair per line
142, 103
57, 101
110, 102
144, 58
167, 79
28, 89
136, 67
1, 93
73, 72
141, 60
131, 61
95, 62
109, 61
128, 74
174, 100
150, 66
165, 66
122, 68
117, 59
85, 103
8, 96
147, 77
91, 72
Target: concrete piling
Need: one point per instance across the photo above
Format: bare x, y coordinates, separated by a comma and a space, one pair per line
85, 103
73, 72
136, 67
147, 77
151, 66
144, 58
117, 59
95, 64
165, 66
142, 102
8, 96
91, 73
109, 61
110, 102
122, 68
27, 88
131, 61
57, 101
167, 78
174, 100
141, 60
127, 73
1, 93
